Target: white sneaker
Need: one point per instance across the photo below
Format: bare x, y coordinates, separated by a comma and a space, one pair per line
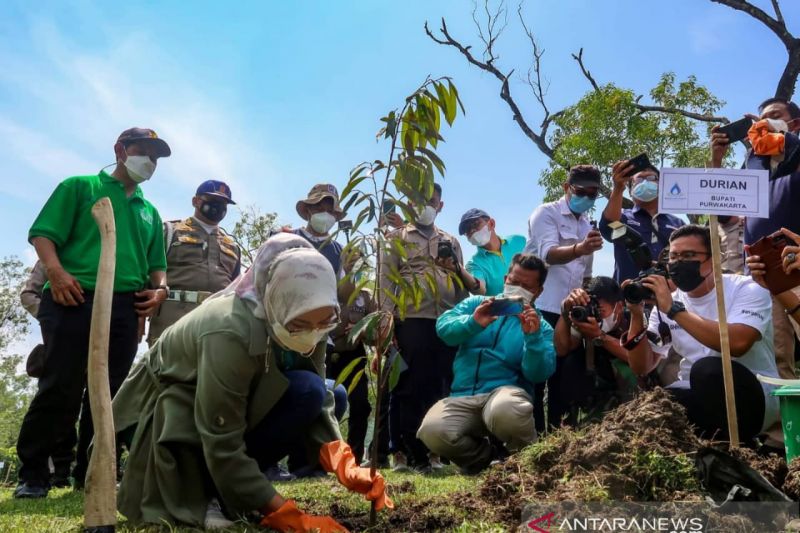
214, 517
400, 463
436, 463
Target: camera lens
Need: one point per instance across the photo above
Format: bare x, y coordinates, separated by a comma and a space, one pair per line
635, 293
579, 313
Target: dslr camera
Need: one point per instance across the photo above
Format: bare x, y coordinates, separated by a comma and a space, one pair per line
581, 313
444, 250
634, 292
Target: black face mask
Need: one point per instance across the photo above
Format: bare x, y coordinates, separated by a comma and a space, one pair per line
214, 211
685, 274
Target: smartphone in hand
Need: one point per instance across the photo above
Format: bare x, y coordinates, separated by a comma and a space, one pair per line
507, 306
736, 131
640, 162
769, 249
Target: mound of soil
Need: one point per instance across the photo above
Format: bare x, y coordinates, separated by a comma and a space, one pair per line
641, 451
772, 466
791, 486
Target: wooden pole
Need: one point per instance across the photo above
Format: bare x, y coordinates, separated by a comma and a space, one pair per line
724, 339
100, 503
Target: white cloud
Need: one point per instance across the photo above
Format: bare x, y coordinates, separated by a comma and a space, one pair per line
76, 101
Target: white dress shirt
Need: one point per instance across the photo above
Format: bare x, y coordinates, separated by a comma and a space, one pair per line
552, 225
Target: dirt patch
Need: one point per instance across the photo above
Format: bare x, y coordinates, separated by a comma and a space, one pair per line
641, 451
772, 466
791, 486
437, 514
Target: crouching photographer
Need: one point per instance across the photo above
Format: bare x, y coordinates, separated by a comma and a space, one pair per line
504, 348
587, 335
687, 319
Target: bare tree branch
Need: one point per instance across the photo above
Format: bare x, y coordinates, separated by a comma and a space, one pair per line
490, 35
791, 71
539, 139
536, 84
777, 27
676, 111
778, 15
650, 108
579, 59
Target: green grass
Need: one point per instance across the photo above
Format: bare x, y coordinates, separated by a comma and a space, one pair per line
62, 510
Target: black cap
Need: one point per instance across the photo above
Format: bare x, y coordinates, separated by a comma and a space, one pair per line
469, 216
147, 136
216, 188
585, 176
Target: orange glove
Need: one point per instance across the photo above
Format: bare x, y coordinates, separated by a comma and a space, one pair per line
289, 518
765, 141
337, 457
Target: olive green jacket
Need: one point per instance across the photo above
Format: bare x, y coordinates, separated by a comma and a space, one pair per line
209, 379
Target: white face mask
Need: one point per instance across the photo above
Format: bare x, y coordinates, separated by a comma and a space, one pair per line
140, 167
516, 290
302, 342
778, 125
481, 237
609, 322
426, 216
322, 222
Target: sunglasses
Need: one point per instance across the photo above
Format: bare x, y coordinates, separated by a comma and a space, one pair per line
583, 191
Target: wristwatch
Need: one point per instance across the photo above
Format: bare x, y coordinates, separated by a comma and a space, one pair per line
677, 307
166, 290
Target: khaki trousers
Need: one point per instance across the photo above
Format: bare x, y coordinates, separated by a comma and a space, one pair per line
457, 427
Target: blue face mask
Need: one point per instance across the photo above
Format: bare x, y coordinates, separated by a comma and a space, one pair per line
645, 191
580, 204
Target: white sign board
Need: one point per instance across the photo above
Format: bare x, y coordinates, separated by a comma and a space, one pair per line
714, 191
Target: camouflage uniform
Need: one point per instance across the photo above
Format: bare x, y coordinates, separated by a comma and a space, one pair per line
198, 265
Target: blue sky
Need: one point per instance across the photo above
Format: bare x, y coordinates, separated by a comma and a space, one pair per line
273, 97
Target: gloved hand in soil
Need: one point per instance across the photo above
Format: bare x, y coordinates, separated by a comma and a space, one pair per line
288, 518
337, 457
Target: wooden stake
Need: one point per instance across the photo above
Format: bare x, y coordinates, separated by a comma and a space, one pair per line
724, 339
100, 503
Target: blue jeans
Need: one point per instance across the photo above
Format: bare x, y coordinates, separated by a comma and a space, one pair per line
339, 397
283, 428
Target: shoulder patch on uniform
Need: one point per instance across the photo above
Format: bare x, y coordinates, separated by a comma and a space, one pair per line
188, 239
181, 225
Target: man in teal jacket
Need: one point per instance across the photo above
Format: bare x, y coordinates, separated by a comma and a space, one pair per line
499, 360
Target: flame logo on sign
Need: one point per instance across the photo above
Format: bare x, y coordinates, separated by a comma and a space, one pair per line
675, 190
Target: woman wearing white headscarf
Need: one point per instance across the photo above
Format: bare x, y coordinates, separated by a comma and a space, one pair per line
229, 388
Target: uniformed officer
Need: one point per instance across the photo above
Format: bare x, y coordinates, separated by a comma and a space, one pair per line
201, 257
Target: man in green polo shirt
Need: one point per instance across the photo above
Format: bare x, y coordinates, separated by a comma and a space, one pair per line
67, 241
491, 262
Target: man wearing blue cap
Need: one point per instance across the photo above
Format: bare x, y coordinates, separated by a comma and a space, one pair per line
491, 262
201, 257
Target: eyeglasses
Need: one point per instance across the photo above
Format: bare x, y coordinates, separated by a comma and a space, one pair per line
583, 191
688, 255
475, 225
649, 177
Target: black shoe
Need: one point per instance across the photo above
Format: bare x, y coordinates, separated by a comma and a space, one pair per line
60, 481
78, 478
31, 489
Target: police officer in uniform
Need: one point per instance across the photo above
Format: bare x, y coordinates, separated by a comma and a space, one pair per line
201, 257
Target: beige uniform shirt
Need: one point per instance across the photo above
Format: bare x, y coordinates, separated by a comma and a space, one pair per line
415, 267
31, 294
196, 261
732, 244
